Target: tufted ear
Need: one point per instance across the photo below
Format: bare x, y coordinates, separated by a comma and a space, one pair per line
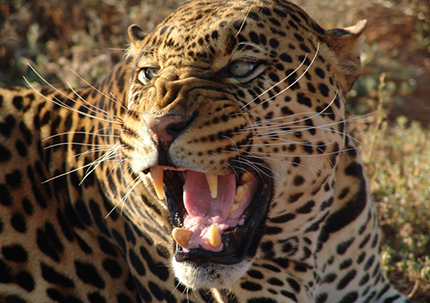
345, 43
135, 33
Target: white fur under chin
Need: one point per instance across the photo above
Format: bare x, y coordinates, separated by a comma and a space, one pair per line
211, 275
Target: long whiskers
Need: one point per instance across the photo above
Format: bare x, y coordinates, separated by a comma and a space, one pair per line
264, 156
82, 133
92, 107
261, 123
274, 127
246, 16
60, 103
112, 97
130, 187
111, 154
285, 78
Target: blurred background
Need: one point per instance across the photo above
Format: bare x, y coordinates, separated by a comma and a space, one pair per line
389, 107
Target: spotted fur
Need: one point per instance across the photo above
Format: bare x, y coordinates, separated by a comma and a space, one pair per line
219, 87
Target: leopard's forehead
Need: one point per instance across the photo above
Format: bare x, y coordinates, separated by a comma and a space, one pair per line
202, 30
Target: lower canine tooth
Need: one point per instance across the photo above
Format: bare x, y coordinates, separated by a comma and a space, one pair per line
213, 184
215, 239
157, 174
241, 191
182, 236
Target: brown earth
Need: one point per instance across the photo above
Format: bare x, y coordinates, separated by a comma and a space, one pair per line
395, 33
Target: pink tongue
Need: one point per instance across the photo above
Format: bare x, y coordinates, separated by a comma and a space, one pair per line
199, 203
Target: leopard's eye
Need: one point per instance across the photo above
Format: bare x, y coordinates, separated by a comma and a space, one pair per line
242, 69
146, 74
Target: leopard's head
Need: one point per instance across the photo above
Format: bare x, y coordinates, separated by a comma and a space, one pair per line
235, 119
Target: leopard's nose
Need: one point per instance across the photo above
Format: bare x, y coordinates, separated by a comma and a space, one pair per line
165, 129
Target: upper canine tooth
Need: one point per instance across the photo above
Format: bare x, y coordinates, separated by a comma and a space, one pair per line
213, 184
241, 191
182, 236
215, 239
248, 176
157, 173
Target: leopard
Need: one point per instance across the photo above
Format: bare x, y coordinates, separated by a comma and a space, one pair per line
212, 164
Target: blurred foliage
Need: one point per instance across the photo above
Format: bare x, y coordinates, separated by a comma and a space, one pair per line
396, 157
88, 37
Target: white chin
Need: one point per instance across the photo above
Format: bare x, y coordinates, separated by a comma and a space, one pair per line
219, 276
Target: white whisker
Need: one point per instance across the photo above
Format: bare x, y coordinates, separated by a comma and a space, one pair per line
260, 156
83, 133
72, 143
91, 151
109, 155
279, 82
130, 186
314, 114
67, 173
246, 16
60, 103
111, 98
92, 107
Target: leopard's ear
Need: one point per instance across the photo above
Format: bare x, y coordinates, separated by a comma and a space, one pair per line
345, 43
136, 33
352, 32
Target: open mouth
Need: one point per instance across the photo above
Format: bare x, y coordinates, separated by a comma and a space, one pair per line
216, 219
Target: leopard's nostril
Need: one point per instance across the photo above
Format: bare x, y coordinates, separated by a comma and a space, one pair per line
165, 129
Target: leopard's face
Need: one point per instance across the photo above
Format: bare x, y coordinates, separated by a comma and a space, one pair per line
235, 119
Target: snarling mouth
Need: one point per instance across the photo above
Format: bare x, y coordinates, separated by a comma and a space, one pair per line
216, 219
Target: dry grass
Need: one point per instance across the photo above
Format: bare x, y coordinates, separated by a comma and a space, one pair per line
397, 162
89, 37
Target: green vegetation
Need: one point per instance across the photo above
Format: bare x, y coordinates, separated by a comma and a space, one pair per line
89, 37
397, 159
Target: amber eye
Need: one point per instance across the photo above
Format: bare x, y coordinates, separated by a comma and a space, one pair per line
242, 69
146, 74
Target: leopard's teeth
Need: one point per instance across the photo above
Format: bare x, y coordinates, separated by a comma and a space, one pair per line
248, 176
182, 236
213, 184
215, 239
234, 207
157, 173
241, 191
